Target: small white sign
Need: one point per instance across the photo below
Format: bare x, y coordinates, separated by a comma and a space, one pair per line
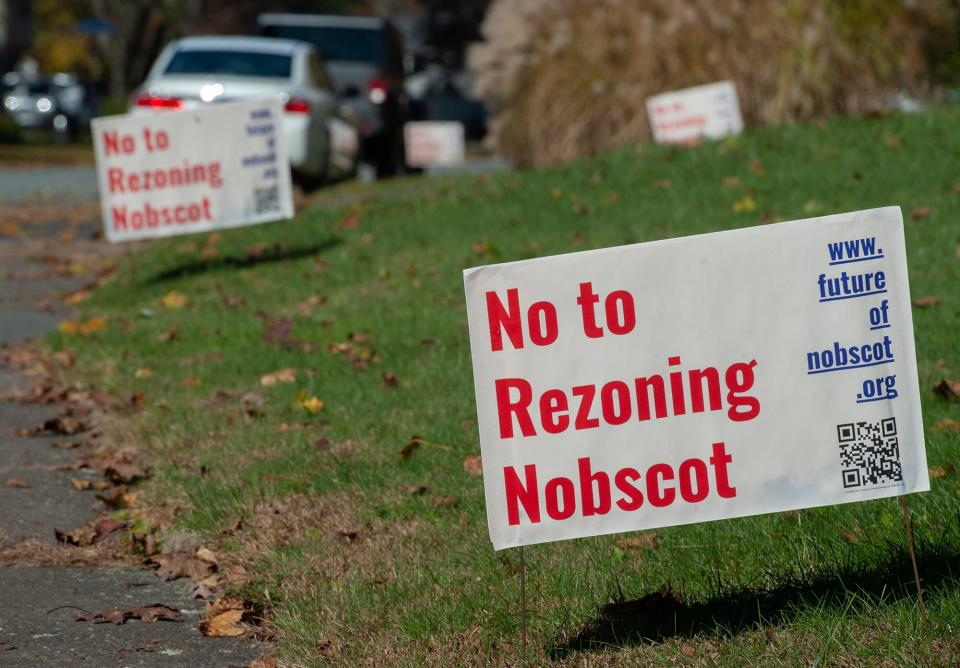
434, 143
700, 378
692, 114
192, 171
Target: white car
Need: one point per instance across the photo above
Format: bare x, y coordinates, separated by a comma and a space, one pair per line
321, 140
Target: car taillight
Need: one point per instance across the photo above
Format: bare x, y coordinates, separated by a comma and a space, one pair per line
377, 91
158, 101
296, 105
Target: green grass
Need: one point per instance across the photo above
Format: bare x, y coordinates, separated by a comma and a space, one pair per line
420, 583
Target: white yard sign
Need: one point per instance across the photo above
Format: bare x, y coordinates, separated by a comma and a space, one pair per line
700, 378
691, 114
192, 171
433, 143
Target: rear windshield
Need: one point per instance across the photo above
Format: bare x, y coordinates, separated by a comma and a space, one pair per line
355, 45
235, 63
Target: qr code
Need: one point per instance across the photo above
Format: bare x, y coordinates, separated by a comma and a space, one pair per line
869, 453
266, 200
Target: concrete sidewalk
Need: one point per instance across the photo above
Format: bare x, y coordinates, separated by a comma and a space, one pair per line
39, 605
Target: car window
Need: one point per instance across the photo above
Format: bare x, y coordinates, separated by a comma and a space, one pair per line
357, 45
227, 62
318, 73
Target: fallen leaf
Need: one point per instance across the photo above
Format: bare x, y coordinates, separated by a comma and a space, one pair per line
446, 501
207, 555
924, 302
106, 526
771, 634
143, 373
644, 541
389, 379
281, 376
262, 662
416, 490
174, 300
311, 404
948, 388
662, 184
687, 650
81, 485
350, 223
744, 205
124, 472
17, 483
946, 424
412, 445
175, 565
853, 537
278, 331
148, 614
172, 334
937, 472
253, 404
137, 400
223, 618
473, 465
920, 212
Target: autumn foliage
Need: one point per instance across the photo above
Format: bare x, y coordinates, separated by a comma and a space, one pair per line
566, 78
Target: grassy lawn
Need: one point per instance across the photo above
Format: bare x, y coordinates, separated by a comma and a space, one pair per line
369, 546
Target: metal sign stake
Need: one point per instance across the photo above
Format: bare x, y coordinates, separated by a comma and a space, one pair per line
908, 526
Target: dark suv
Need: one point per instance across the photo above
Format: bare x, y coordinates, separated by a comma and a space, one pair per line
364, 56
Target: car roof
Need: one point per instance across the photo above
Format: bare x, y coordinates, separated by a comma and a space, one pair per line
242, 43
324, 20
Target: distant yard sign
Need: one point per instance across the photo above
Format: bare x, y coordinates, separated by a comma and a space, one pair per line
691, 114
192, 171
701, 378
434, 143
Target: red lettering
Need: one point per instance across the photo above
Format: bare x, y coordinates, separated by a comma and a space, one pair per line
206, 200
719, 460
501, 320
587, 480
643, 397
699, 470
543, 331
614, 322
521, 408
586, 300
115, 179
619, 412
584, 421
624, 482
551, 403
119, 217
658, 496
527, 496
555, 489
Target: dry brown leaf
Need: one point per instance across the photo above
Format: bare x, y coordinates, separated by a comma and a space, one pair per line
389, 379
81, 485
148, 614
262, 662
17, 483
926, 301
937, 472
473, 465
281, 376
222, 618
174, 565
948, 388
920, 212
645, 541
207, 555
412, 445
946, 424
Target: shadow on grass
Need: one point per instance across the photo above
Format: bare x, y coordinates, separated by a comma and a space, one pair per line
665, 614
255, 255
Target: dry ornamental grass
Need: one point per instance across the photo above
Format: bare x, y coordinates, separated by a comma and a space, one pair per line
569, 78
